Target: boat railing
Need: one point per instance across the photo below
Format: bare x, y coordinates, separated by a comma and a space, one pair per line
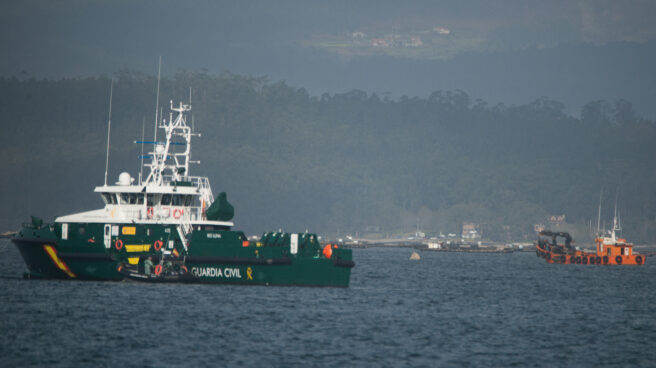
200, 182
184, 215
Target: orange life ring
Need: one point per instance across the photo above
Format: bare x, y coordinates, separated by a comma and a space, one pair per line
158, 269
184, 268
150, 212
118, 244
158, 245
177, 213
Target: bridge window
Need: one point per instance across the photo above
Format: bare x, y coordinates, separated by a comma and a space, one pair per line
166, 199
151, 200
188, 200
178, 200
109, 198
140, 198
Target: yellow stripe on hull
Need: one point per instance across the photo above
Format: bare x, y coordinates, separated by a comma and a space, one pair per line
131, 248
58, 262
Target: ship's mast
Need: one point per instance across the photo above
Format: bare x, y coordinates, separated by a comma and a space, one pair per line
109, 127
616, 225
599, 212
163, 156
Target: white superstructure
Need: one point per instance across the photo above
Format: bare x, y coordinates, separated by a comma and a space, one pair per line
169, 195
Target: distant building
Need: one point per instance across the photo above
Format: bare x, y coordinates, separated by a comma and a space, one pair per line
470, 231
556, 221
379, 42
414, 42
538, 227
442, 30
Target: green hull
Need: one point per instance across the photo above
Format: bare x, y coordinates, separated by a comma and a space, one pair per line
212, 256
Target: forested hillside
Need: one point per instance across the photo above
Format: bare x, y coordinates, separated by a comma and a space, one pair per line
336, 164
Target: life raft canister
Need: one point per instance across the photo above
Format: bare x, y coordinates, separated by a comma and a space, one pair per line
158, 269
177, 213
118, 244
150, 212
158, 245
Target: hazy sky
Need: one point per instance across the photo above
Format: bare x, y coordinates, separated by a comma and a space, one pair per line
329, 45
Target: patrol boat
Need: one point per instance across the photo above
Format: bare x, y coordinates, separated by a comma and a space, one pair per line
169, 227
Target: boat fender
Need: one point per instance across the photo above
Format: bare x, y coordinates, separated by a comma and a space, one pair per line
563, 259
584, 260
150, 212
598, 260
158, 245
177, 213
572, 259
592, 260
618, 260
578, 260
605, 259
118, 244
158, 269
638, 259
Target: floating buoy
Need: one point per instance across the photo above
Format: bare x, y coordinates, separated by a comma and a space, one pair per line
415, 256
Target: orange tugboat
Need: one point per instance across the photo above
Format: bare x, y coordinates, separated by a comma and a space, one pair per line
610, 250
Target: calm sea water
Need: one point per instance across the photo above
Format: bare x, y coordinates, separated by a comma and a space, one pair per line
448, 309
